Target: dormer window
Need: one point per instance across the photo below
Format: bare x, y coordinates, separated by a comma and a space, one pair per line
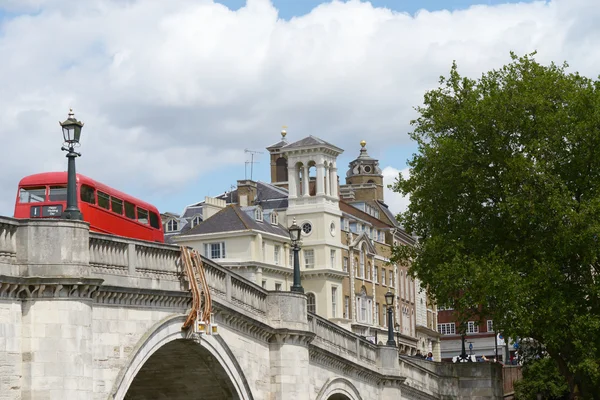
172, 226
274, 219
196, 220
258, 214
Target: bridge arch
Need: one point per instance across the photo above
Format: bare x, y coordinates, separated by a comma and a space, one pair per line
339, 389
166, 355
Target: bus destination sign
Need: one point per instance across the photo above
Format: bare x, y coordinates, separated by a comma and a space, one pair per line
52, 211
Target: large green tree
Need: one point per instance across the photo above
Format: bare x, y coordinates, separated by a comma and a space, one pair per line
505, 200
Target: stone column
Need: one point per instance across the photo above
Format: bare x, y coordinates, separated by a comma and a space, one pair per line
320, 179
305, 182
293, 182
333, 176
289, 360
328, 181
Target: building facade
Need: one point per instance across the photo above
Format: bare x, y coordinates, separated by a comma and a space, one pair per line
347, 238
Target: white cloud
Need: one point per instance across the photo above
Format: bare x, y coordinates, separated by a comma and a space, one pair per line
395, 201
172, 90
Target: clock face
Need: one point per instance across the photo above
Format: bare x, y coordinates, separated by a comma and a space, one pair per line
332, 229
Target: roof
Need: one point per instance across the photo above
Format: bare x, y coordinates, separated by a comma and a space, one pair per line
278, 145
349, 209
60, 178
311, 141
234, 218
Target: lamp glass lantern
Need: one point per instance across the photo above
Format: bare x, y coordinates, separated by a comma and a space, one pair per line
389, 298
71, 129
295, 232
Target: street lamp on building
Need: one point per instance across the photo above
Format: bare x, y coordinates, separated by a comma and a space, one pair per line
389, 301
71, 133
295, 231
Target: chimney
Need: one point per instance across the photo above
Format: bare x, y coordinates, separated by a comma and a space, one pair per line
211, 207
246, 190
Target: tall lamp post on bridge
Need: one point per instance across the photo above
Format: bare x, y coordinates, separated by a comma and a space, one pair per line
389, 301
71, 133
295, 231
463, 357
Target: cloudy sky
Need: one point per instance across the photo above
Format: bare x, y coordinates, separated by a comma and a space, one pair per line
172, 92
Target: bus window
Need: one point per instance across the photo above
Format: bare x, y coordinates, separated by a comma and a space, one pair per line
58, 193
142, 215
32, 194
129, 210
87, 194
154, 220
103, 200
117, 205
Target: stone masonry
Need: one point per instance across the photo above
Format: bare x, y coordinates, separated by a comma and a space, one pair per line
90, 316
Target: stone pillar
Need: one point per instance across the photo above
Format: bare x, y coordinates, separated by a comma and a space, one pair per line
56, 294
334, 186
10, 345
328, 181
293, 182
305, 182
320, 179
289, 360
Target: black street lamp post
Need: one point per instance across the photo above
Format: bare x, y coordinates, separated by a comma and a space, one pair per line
389, 301
464, 357
71, 133
295, 237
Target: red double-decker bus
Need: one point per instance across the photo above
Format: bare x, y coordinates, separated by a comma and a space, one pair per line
106, 210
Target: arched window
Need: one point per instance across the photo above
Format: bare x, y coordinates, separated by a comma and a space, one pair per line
363, 250
172, 226
281, 172
364, 307
195, 221
311, 303
274, 219
258, 214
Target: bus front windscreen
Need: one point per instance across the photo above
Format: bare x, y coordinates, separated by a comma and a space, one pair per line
32, 194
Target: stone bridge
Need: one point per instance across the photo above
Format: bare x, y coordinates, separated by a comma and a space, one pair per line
90, 316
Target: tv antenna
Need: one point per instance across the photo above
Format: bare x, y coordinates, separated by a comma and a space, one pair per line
251, 162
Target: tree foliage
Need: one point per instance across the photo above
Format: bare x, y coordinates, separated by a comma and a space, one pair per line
505, 201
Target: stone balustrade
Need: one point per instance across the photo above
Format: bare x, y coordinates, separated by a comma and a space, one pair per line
8, 243
340, 341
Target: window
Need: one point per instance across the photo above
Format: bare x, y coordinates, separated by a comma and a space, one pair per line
274, 219
364, 307
103, 200
368, 231
473, 327
116, 205
264, 284
391, 279
346, 306
362, 262
332, 256
154, 220
342, 223
214, 250
258, 214
376, 275
334, 302
306, 228
311, 305
490, 325
172, 226
346, 225
58, 193
384, 315
345, 264
32, 195
278, 287
383, 276
309, 258
276, 251
447, 329
377, 314
195, 221
291, 258
87, 194
142, 215
130, 210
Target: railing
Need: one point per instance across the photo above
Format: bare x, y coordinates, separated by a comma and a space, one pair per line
341, 341
8, 243
119, 256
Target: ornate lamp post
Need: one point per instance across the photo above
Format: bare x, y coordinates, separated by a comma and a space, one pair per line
463, 354
71, 133
295, 237
389, 301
